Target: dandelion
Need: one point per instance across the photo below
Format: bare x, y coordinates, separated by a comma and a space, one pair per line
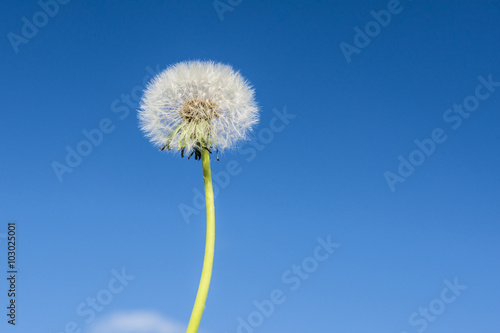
197, 107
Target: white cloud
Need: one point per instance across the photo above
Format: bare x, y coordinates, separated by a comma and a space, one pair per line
136, 322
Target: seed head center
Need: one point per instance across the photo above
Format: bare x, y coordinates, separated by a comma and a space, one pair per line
196, 110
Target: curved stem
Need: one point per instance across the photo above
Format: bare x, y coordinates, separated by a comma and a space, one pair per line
206, 273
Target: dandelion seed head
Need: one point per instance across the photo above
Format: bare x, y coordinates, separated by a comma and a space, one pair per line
198, 104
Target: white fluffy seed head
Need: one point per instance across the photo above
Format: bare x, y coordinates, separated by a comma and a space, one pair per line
198, 104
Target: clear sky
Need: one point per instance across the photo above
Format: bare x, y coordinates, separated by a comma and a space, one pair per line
367, 200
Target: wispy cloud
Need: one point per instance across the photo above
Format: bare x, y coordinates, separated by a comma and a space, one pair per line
136, 322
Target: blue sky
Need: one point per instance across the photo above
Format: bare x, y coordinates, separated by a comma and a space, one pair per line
367, 200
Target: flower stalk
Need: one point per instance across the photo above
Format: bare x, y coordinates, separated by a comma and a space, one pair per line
206, 273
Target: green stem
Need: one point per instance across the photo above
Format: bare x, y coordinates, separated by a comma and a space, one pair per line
206, 273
